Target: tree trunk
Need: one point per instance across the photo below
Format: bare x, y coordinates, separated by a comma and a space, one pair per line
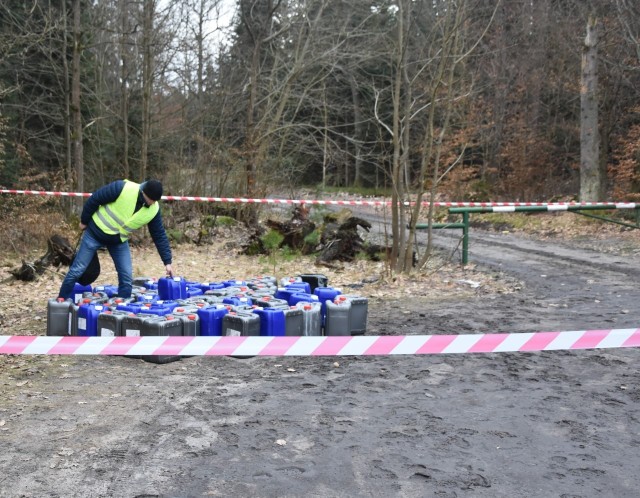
357, 131
591, 175
68, 154
75, 98
200, 36
147, 84
398, 187
124, 83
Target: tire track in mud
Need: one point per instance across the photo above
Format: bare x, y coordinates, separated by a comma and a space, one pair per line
508, 252
513, 250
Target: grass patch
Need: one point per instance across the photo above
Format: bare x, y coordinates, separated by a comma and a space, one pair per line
225, 221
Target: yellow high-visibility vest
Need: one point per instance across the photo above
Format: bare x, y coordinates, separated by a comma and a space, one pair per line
118, 217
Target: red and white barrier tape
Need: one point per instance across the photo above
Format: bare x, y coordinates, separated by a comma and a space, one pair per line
553, 206
322, 346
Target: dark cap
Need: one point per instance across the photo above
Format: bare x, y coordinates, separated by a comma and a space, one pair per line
153, 189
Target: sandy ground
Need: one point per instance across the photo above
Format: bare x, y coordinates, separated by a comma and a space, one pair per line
561, 424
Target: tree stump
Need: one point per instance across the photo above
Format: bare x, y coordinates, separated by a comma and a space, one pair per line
340, 238
295, 230
59, 251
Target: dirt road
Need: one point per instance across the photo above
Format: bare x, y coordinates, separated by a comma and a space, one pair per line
553, 424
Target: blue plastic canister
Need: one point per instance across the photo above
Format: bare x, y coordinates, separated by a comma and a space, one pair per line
303, 298
172, 288
234, 283
78, 291
193, 291
205, 286
109, 290
211, 319
131, 307
301, 286
326, 294
148, 297
88, 318
151, 284
272, 321
160, 307
285, 293
237, 300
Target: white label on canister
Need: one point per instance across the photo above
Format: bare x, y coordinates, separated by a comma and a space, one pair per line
82, 323
132, 333
107, 333
234, 333
77, 297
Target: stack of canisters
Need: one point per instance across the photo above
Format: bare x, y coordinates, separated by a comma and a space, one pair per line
304, 305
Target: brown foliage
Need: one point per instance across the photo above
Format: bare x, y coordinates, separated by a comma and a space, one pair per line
624, 169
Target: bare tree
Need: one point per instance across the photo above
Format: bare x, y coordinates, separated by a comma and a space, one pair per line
124, 83
148, 14
78, 156
591, 175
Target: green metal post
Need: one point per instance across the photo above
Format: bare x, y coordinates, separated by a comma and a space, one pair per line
465, 238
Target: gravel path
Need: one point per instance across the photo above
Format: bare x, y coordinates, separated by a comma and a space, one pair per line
548, 424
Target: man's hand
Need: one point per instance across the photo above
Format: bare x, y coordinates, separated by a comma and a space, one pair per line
82, 226
169, 271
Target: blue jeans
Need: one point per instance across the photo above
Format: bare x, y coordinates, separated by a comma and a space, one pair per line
120, 255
